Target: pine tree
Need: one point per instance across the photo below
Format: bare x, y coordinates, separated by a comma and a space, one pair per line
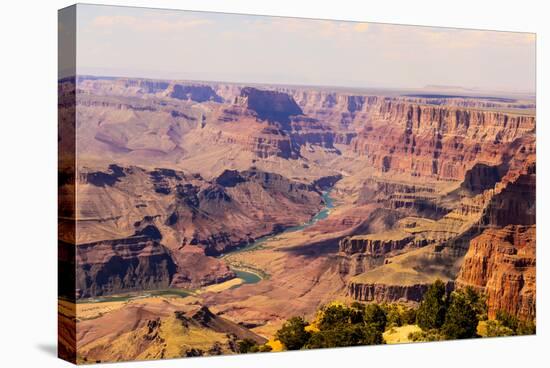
293, 334
375, 316
431, 312
462, 318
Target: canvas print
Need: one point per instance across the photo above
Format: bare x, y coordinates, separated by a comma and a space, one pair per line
234, 184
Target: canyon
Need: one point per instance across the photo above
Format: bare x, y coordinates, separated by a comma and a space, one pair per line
182, 185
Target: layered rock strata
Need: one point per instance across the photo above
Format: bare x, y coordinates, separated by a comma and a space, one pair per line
382, 293
502, 264
159, 228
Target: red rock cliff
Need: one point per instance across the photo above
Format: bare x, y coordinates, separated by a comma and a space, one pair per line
434, 141
502, 264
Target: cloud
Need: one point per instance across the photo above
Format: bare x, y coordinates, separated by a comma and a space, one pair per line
450, 38
146, 24
311, 50
309, 28
361, 27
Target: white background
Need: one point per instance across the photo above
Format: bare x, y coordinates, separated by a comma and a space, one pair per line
28, 156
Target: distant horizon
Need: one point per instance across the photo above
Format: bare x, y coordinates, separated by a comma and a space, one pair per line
237, 48
443, 89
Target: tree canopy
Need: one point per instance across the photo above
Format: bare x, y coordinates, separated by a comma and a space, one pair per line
461, 318
293, 334
432, 309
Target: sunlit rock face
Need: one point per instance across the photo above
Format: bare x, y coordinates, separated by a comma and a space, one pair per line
172, 175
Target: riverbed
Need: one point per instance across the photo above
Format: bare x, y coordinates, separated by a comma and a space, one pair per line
323, 214
248, 276
254, 277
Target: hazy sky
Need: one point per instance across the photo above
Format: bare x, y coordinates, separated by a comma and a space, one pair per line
123, 41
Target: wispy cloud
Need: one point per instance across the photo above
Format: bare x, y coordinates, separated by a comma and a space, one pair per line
447, 38
292, 50
361, 27
146, 24
310, 28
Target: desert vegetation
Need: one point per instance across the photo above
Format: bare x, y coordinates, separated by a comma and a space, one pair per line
460, 314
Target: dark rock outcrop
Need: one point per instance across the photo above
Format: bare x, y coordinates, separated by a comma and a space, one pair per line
101, 179
197, 93
482, 177
229, 178
327, 182
116, 266
515, 204
273, 106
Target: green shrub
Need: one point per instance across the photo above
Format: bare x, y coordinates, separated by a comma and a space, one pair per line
335, 315
507, 320
247, 346
398, 315
477, 301
264, 348
519, 327
431, 312
375, 316
393, 315
357, 313
527, 327
425, 336
293, 334
408, 316
461, 318
345, 335
496, 328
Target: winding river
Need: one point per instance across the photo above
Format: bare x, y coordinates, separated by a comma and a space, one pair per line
247, 276
252, 277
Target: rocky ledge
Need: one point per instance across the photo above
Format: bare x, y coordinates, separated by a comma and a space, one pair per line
272, 106
382, 293
502, 264
376, 244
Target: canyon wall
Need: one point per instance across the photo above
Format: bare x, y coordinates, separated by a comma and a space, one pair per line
486, 240
418, 137
436, 178
381, 293
502, 264
439, 142
501, 261
111, 267
141, 229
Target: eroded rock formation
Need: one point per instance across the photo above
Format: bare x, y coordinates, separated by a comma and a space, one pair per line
158, 228
110, 267
441, 142
198, 93
382, 293
501, 261
375, 245
420, 179
502, 264
273, 106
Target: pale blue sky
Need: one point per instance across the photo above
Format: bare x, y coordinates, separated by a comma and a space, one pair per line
153, 43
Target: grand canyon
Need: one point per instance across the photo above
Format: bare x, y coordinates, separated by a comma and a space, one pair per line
195, 216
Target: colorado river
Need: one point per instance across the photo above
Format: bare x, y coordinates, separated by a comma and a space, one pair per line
244, 273
136, 295
254, 277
